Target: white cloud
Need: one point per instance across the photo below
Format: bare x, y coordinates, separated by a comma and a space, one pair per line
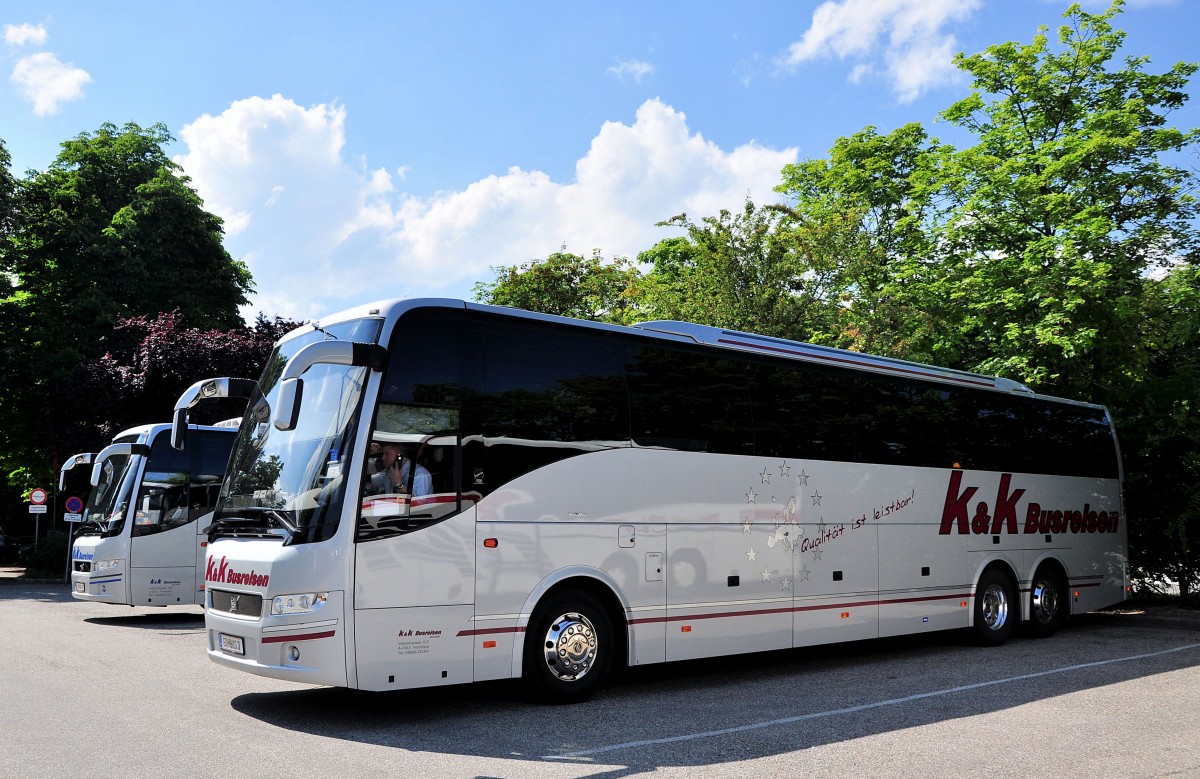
46, 82
337, 234
634, 69
24, 34
907, 37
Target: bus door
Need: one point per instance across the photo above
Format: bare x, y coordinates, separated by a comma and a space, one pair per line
414, 561
209, 455
177, 488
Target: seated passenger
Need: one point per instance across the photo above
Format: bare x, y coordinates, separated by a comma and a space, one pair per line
393, 478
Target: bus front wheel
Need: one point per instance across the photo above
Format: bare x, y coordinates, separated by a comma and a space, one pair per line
995, 608
568, 648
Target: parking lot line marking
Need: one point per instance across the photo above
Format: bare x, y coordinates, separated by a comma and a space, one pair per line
586, 753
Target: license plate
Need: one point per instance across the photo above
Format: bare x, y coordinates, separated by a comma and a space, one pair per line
78, 586
231, 644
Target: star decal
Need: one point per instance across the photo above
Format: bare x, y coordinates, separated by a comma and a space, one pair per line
766, 574
787, 583
747, 526
816, 498
751, 495
752, 555
802, 478
816, 554
766, 477
803, 573
821, 527
785, 469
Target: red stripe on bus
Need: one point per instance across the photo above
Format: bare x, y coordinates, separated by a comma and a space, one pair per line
489, 631
298, 637
786, 609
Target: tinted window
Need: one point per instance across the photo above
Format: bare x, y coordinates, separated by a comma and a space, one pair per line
691, 401
539, 393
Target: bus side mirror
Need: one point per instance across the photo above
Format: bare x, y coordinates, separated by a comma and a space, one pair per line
84, 458
178, 428
206, 389
291, 388
112, 450
287, 406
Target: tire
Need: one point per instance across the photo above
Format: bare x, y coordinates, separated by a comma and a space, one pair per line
1048, 604
569, 648
996, 608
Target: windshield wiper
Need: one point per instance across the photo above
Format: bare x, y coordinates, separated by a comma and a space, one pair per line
90, 523
247, 523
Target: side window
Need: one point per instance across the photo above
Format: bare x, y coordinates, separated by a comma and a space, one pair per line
808, 414
163, 498
410, 479
1030, 436
539, 393
691, 402
209, 459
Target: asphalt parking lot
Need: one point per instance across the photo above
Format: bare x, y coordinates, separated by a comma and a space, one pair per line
90, 688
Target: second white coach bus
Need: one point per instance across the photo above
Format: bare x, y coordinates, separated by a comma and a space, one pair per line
573, 497
139, 541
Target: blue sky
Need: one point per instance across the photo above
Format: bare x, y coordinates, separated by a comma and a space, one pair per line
366, 150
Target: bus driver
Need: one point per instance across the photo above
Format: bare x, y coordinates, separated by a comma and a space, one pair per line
393, 477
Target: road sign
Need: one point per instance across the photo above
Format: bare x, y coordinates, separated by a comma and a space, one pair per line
74, 505
37, 508
37, 496
69, 517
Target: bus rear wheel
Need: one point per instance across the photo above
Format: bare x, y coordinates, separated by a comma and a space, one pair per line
1047, 603
569, 648
995, 608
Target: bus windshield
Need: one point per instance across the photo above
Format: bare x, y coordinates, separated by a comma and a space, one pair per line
290, 483
109, 501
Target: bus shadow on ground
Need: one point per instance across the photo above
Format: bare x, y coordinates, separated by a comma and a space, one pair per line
156, 621
740, 708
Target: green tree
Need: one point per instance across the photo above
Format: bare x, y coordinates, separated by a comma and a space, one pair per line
148, 362
567, 285
1067, 201
738, 270
110, 230
8, 188
1159, 425
866, 219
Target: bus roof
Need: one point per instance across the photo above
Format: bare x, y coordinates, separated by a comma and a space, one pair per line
711, 336
781, 347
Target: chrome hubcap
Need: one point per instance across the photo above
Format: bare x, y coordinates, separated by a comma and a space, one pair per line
1045, 602
571, 647
995, 607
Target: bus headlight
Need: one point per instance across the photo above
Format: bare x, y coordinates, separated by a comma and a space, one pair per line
105, 565
303, 603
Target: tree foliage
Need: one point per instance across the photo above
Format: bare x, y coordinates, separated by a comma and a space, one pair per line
110, 230
149, 362
866, 221
567, 284
1067, 202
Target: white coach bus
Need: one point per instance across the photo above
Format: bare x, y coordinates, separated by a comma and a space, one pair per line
582, 496
140, 541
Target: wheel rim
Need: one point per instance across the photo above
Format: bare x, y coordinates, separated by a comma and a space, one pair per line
571, 646
1045, 602
995, 607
